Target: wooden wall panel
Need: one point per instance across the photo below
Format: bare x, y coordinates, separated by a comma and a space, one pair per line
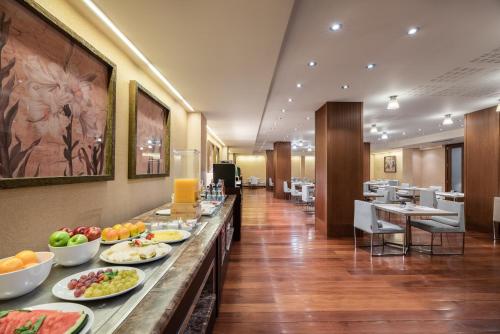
482, 167
366, 162
269, 168
339, 166
282, 167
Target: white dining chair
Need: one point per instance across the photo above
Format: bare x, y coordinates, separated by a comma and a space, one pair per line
296, 195
366, 220
496, 216
271, 184
437, 188
394, 183
443, 225
286, 190
307, 199
366, 187
428, 198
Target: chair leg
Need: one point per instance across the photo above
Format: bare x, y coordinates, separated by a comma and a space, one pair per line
355, 238
463, 243
494, 230
371, 244
432, 243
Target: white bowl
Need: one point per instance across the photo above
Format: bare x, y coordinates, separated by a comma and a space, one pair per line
69, 256
18, 283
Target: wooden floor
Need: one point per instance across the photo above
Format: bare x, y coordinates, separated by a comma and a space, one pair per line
284, 278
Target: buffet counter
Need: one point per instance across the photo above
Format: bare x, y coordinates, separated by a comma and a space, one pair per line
180, 294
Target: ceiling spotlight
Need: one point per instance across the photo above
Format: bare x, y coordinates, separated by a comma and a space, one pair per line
344, 86
294, 147
413, 30
283, 110
374, 129
299, 85
447, 120
301, 143
312, 63
290, 99
309, 149
371, 66
393, 103
384, 136
404, 133
336, 26
498, 106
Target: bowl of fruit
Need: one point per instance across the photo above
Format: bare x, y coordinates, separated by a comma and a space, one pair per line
24, 272
73, 247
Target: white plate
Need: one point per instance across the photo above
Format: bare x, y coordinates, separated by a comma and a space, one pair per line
168, 250
104, 242
69, 307
185, 235
60, 290
164, 212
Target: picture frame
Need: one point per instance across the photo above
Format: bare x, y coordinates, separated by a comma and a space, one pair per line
149, 134
58, 125
390, 164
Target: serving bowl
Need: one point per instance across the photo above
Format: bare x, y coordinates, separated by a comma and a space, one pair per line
20, 282
70, 256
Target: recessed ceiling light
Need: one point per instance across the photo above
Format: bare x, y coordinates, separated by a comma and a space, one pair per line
344, 86
299, 85
301, 143
413, 30
290, 99
335, 26
312, 63
283, 110
309, 149
419, 129
371, 66
294, 147
447, 120
308, 118
393, 103
374, 129
384, 136
404, 133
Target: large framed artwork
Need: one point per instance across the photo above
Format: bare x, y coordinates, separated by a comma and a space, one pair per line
149, 134
390, 164
57, 102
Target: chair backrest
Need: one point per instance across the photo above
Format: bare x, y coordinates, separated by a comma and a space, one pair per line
428, 198
366, 187
365, 216
384, 199
391, 196
393, 182
305, 193
285, 186
457, 207
271, 182
496, 209
405, 185
253, 180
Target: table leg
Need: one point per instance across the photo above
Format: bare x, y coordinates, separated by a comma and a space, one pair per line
408, 235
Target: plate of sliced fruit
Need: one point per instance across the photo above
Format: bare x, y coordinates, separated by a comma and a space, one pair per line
98, 283
48, 318
135, 252
119, 233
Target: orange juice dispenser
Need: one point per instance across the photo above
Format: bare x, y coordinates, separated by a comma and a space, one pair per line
186, 197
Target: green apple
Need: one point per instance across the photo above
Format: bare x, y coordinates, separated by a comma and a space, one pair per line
77, 239
59, 239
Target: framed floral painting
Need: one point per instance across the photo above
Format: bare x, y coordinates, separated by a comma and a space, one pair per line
149, 134
390, 165
57, 102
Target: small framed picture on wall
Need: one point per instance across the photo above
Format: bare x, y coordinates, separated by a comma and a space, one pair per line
390, 164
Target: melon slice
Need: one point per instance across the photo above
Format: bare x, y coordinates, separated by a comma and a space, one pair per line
54, 322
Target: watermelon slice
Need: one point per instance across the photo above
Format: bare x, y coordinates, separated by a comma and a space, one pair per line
41, 322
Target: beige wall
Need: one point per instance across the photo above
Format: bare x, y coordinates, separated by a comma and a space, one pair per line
252, 165
29, 215
296, 168
309, 168
378, 165
433, 167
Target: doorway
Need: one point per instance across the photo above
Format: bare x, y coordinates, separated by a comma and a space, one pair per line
454, 167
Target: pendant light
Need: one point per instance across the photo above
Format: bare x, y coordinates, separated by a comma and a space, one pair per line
374, 129
447, 120
393, 103
384, 136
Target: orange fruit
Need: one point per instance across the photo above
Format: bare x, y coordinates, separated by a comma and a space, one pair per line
109, 234
123, 233
141, 227
11, 264
129, 226
117, 226
27, 256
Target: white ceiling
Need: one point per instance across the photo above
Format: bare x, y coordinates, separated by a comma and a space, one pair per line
219, 54
224, 58
435, 72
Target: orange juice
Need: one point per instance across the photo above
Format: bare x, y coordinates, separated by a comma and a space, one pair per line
186, 190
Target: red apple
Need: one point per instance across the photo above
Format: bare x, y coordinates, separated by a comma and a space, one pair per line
93, 233
80, 230
67, 229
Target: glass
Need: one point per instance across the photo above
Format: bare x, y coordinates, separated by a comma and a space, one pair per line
456, 169
186, 176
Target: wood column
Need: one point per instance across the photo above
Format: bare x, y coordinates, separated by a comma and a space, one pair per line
282, 167
339, 166
366, 162
482, 167
269, 169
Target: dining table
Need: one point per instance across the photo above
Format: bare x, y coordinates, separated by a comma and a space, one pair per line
409, 211
451, 194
